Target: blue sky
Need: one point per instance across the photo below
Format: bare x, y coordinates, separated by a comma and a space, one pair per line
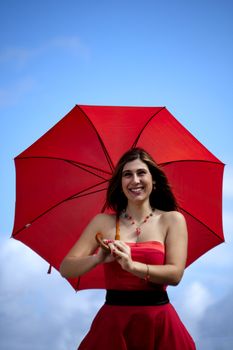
55, 54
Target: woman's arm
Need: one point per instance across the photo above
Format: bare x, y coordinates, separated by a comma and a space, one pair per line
176, 252
80, 258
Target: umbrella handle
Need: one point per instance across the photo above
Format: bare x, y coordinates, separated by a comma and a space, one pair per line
99, 238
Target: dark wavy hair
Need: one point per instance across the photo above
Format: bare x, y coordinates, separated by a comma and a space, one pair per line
161, 197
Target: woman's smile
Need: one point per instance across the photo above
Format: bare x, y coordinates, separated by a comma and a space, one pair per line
136, 190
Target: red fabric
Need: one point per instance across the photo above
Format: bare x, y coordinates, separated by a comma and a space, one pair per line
116, 278
137, 327
61, 179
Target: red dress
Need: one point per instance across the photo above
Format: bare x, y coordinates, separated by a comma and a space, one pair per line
137, 327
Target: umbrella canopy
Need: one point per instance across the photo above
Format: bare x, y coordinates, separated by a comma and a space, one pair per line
61, 179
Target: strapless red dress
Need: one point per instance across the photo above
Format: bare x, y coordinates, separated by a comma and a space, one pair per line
156, 327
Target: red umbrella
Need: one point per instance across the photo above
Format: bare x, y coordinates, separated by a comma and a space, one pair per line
61, 179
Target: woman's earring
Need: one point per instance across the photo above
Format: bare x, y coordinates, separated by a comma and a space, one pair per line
154, 187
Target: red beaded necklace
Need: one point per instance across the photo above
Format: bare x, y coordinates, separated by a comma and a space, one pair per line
132, 221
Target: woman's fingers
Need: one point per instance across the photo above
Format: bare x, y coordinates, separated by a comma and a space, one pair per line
119, 249
124, 248
113, 248
121, 245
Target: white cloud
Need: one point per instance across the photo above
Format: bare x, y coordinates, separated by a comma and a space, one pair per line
216, 326
22, 55
196, 299
19, 55
71, 43
12, 94
56, 315
228, 182
191, 302
228, 225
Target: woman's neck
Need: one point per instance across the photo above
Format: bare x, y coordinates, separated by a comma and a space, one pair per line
138, 211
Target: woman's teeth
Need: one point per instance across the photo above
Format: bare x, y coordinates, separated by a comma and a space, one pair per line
136, 190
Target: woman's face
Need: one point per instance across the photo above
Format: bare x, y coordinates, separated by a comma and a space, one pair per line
136, 181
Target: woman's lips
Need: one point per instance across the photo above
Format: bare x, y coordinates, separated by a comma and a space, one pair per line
136, 190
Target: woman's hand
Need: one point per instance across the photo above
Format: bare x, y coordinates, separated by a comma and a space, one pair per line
122, 253
104, 256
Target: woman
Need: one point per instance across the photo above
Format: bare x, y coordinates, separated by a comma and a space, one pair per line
147, 242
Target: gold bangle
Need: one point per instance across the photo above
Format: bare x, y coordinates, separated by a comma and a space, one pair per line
147, 277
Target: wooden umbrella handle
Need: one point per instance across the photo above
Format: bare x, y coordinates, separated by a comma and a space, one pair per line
99, 239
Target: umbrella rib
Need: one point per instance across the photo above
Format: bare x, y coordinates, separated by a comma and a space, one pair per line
85, 194
68, 161
77, 195
88, 171
109, 160
137, 138
191, 160
202, 223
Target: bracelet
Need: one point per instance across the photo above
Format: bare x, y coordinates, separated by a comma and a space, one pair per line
147, 277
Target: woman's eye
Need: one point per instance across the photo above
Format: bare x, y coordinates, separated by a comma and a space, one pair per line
126, 174
142, 172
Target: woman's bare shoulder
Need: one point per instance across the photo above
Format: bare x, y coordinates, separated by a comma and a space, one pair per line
103, 219
172, 216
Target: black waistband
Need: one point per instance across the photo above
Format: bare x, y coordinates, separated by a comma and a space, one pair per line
136, 297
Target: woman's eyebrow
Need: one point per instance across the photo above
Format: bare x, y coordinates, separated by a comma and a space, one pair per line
126, 171
130, 171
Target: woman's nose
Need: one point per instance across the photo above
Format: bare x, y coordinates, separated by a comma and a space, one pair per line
135, 178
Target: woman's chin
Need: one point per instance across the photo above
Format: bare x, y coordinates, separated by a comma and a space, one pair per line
138, 198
